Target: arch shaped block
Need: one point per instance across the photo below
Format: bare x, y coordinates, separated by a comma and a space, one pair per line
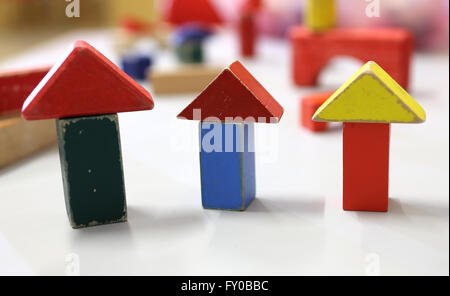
391, 48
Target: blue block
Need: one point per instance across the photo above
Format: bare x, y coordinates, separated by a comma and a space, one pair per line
191, 32
136, 65
227, 165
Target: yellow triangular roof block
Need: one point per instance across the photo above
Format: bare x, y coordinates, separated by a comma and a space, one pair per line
372, 96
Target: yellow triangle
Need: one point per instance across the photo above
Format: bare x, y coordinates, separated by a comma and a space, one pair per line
372, 96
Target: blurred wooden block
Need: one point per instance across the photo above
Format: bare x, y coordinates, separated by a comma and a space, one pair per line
320, 14
20, 138
187, 79
308, 107
391, 48
15, 86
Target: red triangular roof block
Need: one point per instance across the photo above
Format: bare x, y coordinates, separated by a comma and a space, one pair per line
235, 94
185, 11
85, 83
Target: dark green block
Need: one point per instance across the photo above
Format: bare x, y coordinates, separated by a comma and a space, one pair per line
190, 52
91, 165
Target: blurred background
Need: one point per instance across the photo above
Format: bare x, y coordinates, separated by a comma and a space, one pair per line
24, 23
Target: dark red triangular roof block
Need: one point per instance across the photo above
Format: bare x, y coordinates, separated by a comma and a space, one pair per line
83, 83
235, 94
185, 11
16, 86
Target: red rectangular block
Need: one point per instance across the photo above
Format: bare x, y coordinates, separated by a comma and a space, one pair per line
247, 34
309, 105
366, 166
15, 86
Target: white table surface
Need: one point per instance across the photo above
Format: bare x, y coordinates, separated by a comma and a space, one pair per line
296, 225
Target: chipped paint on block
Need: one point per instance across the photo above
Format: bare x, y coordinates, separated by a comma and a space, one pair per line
91, 166
227, 165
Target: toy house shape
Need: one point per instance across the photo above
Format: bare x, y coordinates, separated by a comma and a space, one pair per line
367, 104
186, 11
84, 91
227, 110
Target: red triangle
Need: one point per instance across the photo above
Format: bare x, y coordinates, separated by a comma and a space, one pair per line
235, 95
85, 83
184, 11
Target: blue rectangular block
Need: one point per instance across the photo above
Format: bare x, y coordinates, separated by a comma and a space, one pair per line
227, 165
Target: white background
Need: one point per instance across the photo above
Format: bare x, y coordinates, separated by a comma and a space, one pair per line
296, 226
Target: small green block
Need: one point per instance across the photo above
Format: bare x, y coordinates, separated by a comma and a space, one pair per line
190, 52
91, 165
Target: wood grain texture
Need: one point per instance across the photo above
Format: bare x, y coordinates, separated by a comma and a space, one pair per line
235, 95
84, 82
15, 86
366, 167
19, 138
186, 79
372, 96
91, 166
227, 165
391, 48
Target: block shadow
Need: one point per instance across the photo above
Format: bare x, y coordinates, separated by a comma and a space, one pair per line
280, 204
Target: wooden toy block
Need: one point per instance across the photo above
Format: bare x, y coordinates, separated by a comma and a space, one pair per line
91, 165
15, 86
187, 11
228, 170
236, 94
391, 48
366, 166
372, 96
308, 106
20, 139
367, 104
136, 65
247, 27
320, 14
186, 79
66, 91
188, 42
190, 52
247, 34
84, 91
227, 109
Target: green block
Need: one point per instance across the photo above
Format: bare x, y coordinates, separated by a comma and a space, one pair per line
190, 52
91, 165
